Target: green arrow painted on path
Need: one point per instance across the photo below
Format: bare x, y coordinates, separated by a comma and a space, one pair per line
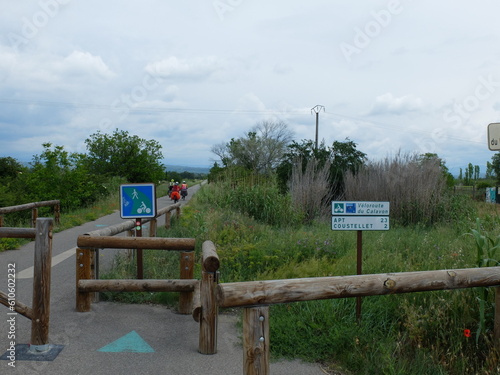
131, 343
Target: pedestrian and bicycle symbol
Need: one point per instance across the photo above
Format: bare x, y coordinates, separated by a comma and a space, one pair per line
137, 201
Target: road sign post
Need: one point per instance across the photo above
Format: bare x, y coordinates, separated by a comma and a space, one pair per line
360, 216
138, 201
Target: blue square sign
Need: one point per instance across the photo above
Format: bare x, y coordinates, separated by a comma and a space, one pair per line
350, 208
137, 201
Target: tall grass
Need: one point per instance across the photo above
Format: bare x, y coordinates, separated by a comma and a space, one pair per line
415, 188
310, 188
259, 199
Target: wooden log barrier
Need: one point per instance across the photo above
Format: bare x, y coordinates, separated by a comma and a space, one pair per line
28, 206
143, 285
210, 258
19, 307
7, 232
209, 313
186, 272
196, 313
253, 293
208, 300
103, 242
256, 340
41, 282
83, 272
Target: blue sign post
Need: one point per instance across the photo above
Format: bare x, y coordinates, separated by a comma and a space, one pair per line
137, 201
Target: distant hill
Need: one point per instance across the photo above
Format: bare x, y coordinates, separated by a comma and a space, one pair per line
183, 168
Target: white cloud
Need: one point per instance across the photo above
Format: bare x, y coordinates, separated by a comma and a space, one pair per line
199, 68
85, 64
388, 104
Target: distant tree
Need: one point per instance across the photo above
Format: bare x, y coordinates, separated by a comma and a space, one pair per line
477, 172
341, 156
495, 163
432, 157
124, 155
58, 174
489, 170
261, 150
10, 168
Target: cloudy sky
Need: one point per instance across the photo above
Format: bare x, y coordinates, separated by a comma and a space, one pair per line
411, 76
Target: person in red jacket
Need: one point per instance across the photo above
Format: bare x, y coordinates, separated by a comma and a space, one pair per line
175, 192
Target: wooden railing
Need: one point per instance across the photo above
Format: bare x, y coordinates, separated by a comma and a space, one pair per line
39, 312
34, 210
128, 226
196, 298
256, 296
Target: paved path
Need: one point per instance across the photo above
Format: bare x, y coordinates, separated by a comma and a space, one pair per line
116, 338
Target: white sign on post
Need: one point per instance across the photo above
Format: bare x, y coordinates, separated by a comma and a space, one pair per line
360, 215
494, 136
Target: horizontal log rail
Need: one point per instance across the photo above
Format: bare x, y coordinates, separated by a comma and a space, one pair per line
9, 232
19, 307
130, 224
111, 242
33, 206
28, 206
256, 296
181, 285
269, 292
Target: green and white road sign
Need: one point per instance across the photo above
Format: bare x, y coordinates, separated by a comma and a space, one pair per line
137, 201
360, 215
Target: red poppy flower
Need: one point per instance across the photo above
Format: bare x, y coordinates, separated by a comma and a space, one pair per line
467, 333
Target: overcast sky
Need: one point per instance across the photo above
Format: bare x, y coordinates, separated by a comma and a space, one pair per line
411, 76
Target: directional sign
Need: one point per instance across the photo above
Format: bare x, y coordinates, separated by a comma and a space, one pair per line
360, 208
360, 222
137, 201
494, 136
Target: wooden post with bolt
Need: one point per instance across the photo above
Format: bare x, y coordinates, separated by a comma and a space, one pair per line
83, 272
186, 272
208, 299
256, 340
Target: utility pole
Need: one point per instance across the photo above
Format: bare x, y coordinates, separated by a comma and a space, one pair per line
317, 109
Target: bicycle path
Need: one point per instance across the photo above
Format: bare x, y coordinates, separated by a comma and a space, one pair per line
114, 338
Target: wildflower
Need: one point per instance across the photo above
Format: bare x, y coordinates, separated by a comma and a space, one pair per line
467, 333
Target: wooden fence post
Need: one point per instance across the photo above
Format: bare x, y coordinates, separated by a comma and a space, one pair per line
34, 216
209, 313
57, 213
208, 299
186, 272
167, 219
41, 282
256, 340
83, 272
152, 227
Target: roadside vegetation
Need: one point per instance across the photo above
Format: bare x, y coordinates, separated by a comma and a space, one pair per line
86, 184
448, 332
271, 226
267, 207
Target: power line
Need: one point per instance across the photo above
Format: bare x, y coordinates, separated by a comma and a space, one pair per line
46, 103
